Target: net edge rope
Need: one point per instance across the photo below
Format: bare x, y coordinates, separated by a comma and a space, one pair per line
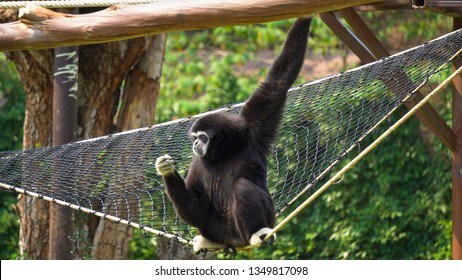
97, 213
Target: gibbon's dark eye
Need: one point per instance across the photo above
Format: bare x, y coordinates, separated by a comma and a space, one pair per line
203, 138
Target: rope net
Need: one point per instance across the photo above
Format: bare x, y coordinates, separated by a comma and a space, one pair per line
115, 177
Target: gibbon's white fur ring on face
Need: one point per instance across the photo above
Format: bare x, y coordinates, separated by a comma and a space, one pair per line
225, 194
200, 143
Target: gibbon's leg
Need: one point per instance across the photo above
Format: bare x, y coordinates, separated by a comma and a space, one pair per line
258, 237
253, 212
200, 242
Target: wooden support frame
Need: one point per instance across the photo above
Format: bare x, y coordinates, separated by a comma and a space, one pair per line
65, 107
64, 131
457, 158
368, 48
40, 28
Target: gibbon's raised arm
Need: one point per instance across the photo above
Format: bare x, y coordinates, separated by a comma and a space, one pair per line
266, 105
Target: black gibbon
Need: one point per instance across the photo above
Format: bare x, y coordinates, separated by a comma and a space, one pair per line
225, 194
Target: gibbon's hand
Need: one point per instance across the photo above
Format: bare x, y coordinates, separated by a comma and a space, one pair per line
165, 165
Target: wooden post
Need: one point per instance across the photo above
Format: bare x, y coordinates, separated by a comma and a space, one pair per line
64, 131
457, 158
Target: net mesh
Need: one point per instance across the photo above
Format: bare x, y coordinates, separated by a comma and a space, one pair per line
115, 175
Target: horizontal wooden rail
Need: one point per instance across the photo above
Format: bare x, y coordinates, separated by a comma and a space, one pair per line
40, 28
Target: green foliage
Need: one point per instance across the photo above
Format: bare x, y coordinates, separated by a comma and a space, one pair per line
407, 25
12, 98
9, 231
393, 205
204, 69
11, 119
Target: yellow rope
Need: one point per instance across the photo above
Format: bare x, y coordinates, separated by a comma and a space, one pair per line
374, 144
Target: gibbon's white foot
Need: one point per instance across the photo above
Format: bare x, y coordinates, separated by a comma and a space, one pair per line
165, 165
258, 237
200, 242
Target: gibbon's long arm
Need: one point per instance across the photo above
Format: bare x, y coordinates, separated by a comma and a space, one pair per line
190, 200
265, 107
190, 204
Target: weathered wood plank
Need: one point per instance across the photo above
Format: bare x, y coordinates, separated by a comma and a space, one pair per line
38, 29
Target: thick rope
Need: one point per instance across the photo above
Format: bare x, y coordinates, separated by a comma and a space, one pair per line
372, 146
71, 3
97, 213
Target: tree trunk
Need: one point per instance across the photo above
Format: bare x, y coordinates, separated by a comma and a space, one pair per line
102, 69
142, 85
139, 96
36, 70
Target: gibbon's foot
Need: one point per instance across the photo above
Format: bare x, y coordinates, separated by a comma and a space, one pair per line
200, 243
258, 238
165, 165
202, 252
271, 240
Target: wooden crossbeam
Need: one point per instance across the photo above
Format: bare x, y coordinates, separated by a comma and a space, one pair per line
41, 28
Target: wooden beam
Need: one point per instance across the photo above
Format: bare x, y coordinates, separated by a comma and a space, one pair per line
386, 6
348, 37
457, 158
368, 48
364, 33
123, 22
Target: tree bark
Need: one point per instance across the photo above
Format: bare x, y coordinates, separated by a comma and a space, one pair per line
141, 90
139, 98
36, 70
41, 29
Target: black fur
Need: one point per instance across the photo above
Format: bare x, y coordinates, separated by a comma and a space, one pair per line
225, 194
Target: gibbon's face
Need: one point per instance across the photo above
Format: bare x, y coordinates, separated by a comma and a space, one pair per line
201, 142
